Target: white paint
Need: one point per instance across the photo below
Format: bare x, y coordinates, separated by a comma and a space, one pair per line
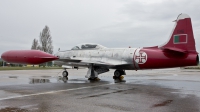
182, 16
140, 57
51, 92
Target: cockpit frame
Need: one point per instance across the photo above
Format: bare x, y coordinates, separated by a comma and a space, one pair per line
87, 46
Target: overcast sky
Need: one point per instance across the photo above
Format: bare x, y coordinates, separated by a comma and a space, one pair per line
111, 23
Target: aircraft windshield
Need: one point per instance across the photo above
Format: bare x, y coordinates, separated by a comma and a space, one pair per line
87, 46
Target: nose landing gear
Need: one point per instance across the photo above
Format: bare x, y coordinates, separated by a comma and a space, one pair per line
65, 75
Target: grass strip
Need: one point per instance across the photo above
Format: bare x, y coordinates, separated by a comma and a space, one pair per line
28, 68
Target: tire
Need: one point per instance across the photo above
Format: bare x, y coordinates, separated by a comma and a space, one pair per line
65, 73
117, 73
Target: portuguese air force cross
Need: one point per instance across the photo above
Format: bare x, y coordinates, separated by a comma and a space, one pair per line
140, 57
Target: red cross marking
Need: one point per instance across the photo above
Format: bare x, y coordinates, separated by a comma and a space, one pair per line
141, 57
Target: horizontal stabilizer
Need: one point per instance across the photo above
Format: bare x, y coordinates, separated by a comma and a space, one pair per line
174, 49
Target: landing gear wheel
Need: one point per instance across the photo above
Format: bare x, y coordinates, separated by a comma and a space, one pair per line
65, 73
118, 75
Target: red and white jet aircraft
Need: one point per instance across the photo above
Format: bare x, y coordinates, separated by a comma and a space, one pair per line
178, 51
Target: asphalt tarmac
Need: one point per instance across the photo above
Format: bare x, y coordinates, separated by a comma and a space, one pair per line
164, 90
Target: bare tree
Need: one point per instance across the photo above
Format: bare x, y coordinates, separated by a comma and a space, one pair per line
35, 45
46, 40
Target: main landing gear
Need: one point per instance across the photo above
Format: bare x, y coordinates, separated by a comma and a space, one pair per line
94, 79
92, 74
118, 75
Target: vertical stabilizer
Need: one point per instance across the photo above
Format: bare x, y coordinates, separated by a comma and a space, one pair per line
182, 38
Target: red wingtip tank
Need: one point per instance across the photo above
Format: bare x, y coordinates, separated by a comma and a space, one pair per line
27, 57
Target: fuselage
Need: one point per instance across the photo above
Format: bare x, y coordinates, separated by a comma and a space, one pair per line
128, 58
111, 56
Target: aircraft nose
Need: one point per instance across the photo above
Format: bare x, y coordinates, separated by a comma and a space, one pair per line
3, 56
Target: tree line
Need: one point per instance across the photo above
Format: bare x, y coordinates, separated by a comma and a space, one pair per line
44, 44
45, 40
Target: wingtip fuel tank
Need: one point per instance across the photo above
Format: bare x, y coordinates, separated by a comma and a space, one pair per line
27, 56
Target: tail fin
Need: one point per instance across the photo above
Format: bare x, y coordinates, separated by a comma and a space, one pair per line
182, 38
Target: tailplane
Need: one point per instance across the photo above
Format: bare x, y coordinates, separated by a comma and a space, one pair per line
182, 38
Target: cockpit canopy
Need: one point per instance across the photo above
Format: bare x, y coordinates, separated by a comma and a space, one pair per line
87, 46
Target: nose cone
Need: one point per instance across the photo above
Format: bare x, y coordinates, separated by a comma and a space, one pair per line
3, 56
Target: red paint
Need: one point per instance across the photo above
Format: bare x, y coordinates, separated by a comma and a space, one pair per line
27, 56
158, 58
172, 54
140, 57
184, 26
182, 38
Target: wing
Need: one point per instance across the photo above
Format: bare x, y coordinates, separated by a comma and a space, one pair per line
86, 61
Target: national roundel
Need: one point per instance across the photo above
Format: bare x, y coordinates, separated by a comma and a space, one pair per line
140, 57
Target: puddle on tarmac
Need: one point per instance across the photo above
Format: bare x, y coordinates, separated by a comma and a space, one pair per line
56, 80
46, 76
66, 80
12, 76
35, 81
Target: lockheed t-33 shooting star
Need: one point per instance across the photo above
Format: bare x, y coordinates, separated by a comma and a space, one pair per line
178, 51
